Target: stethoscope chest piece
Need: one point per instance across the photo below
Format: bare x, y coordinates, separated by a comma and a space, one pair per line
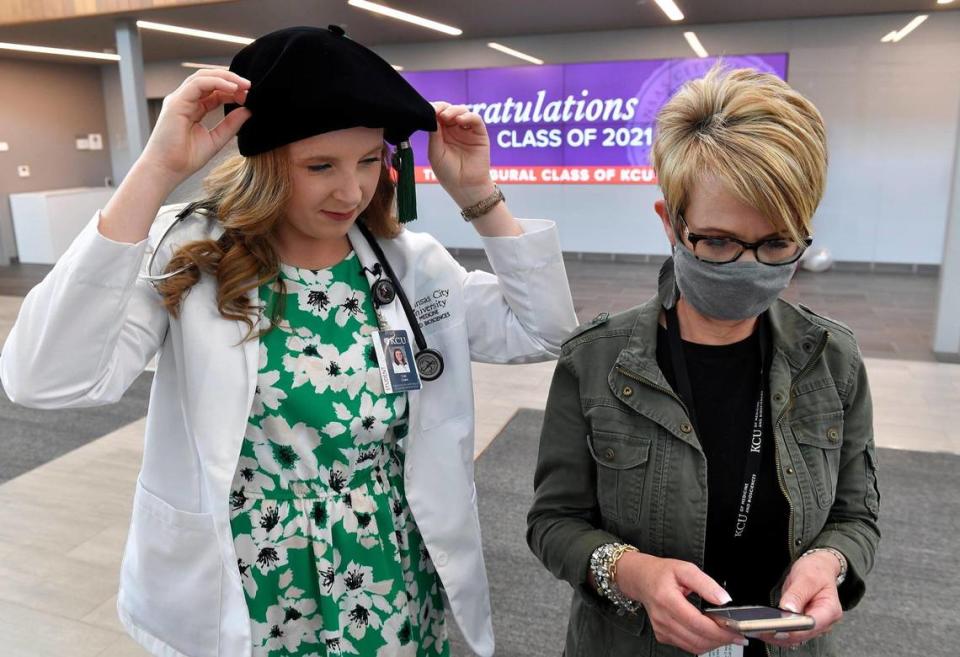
429, 364
384, 292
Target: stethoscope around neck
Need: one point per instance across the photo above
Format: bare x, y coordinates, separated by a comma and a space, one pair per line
385, 291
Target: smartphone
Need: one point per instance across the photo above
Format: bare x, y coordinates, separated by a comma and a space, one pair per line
760, 619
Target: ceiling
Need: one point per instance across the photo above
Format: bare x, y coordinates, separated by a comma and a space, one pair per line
499, 19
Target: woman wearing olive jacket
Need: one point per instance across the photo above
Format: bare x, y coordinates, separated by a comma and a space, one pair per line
715, 390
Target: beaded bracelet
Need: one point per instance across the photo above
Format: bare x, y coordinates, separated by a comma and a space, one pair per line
603, 563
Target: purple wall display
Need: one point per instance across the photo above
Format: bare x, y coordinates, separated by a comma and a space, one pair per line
588, 123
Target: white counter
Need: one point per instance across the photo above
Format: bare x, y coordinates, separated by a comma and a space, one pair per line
45, 223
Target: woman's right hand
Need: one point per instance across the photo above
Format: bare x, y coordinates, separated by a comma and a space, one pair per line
180, 144
662, 586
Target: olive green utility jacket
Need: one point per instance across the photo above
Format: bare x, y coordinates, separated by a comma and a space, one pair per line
620, 462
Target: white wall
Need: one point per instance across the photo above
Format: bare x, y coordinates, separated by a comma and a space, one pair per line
892, 114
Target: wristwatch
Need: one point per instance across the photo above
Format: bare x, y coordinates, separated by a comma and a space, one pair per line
839, 555
483, 206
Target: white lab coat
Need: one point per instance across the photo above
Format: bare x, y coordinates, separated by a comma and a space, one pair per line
91, 326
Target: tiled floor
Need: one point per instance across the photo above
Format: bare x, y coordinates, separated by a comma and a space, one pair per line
63, 525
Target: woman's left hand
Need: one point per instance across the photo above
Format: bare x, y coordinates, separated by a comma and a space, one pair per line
460, 154
811, 589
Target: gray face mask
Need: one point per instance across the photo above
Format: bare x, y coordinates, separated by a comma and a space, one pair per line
736, 290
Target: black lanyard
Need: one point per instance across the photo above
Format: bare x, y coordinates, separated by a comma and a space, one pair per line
754, 458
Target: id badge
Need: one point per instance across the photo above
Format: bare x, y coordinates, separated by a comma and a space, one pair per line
398, 367
732, 650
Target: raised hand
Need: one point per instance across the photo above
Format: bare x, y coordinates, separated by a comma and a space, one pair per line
460, 154
180, 144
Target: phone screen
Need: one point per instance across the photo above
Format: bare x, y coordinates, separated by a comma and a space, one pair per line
751, 613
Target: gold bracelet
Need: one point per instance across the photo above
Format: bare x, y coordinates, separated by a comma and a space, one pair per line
603, 563
615, 559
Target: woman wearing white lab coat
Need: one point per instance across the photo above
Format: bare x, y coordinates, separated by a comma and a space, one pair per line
92, 325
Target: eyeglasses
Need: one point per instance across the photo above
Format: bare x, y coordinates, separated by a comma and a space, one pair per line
722, 250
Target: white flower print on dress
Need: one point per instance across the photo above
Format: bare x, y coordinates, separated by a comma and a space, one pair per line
400, 405
350, 303
246, 555
273, 534
358, 362
262, 357
409, 581
362, 600
267, 395
336, 644
280, 448
311, 288
334, 478
372, 421
359, 518
331, 579
309, 359
248, 485
310, 277
275, 634
432, 617
397, 634
300, 616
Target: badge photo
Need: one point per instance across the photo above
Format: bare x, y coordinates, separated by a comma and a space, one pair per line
398, 368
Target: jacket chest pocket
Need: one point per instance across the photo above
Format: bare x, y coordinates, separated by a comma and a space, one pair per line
819, 439
621, 462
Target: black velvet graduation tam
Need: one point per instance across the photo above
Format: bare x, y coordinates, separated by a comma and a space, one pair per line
306, 81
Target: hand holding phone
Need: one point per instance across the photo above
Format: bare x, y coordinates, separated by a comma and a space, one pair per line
757, 619
662, 586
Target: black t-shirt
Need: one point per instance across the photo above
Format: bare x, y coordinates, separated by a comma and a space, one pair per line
724, 381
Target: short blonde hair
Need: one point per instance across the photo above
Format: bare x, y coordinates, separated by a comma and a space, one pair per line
764, 141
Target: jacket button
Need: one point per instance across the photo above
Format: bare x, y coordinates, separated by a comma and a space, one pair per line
686, 428
808, 346
798, 542
833, 435
789, 470
627, 391
609, 454
778, 397
441, 559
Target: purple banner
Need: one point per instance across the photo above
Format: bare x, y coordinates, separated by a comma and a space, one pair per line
586, 117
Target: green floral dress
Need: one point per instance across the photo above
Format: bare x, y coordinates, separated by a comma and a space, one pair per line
331, 560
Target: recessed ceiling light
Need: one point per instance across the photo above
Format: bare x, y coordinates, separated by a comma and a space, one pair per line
905, 30
200, 65
397, 68
189, 31
404, 16
694, 42
515, 53
944, 2
671, 9
65, 52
